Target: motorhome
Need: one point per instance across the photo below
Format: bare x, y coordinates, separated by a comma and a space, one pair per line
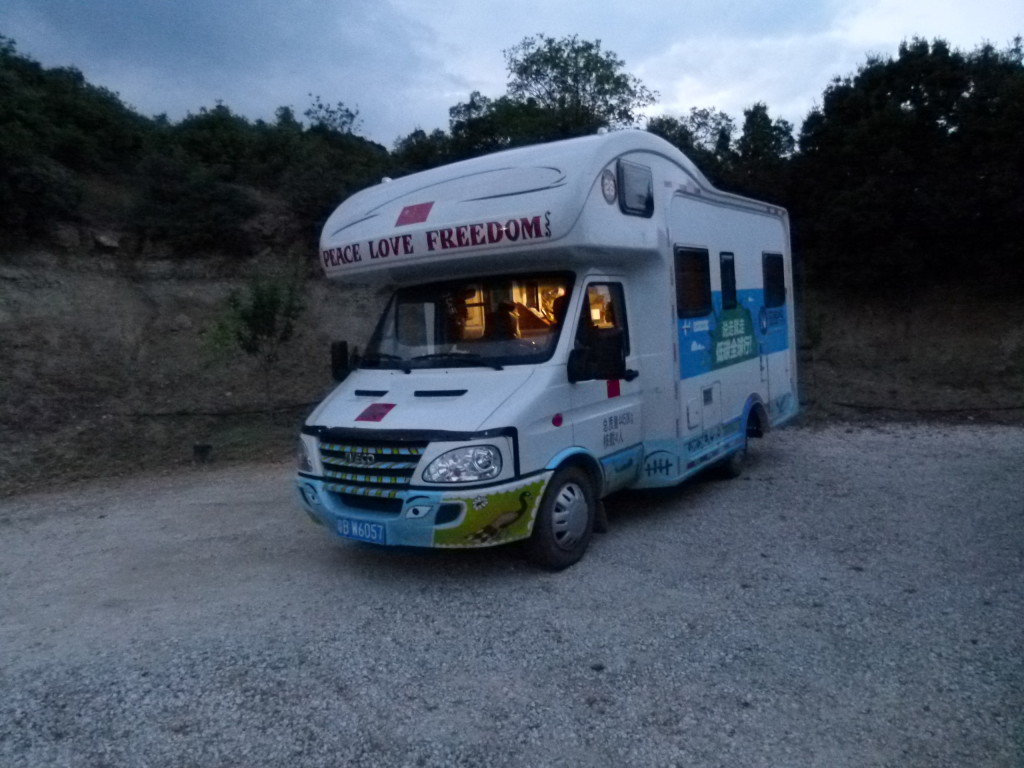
568, 320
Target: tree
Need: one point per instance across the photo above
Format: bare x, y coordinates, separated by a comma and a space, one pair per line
556, 89
911, 170
760, 167
484, 125
474, 127
326, 117
218, 139
327, 168
55, 130
704, 135
583, 85
419, 151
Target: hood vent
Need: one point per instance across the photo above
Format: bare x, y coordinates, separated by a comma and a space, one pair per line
439, 392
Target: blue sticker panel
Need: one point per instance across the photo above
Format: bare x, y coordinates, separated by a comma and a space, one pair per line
728, 337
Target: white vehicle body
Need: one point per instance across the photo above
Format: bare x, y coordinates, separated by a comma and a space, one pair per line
676, 297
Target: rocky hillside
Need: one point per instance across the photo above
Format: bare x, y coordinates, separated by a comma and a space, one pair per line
106, 368
107, 364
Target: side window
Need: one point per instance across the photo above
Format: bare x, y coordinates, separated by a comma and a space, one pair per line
693, 282
727, 262
636, 189
603, 313
602, 338
774, 280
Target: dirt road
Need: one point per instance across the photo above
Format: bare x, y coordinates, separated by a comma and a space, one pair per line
855, 599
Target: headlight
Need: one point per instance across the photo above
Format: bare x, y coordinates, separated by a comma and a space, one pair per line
465, 465
302, 457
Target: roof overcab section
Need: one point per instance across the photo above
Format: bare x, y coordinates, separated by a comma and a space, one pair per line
433, 216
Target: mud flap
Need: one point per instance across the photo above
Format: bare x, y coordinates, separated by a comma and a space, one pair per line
600, 518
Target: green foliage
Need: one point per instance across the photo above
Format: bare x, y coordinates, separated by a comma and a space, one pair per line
58, 114
761, 166
483, 125
217, 140
756, 163
189, 210
55, 128
557, 89
196, 185
33, 195
705, 136
264, 316
581, 84
324, 169
911, 171
335, 118
419, 151
261, 319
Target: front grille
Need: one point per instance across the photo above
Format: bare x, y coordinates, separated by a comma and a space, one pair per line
377, 469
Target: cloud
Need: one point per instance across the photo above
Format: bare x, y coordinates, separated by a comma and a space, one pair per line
885, 23
788, 63
174, 57
787, 74
403, 63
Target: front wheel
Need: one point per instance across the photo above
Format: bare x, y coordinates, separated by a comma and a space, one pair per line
565, 520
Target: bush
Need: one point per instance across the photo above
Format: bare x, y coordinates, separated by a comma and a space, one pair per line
190, 211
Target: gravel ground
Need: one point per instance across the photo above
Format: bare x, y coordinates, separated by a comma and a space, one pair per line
855, 599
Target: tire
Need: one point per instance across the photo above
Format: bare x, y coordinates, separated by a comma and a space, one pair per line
731, 466
565, 520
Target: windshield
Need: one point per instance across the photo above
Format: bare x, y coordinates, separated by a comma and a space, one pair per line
490, 321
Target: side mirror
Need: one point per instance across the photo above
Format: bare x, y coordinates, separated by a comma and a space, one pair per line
609, 354
578, 368
341, 366
604, 358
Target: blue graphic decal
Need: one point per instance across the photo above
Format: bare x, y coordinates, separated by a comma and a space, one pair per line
728, 337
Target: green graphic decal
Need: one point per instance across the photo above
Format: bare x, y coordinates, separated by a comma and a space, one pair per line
493, 518
732, 340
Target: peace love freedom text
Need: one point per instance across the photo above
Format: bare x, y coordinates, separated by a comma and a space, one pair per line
485, 233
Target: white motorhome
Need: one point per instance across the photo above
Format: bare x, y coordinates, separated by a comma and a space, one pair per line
570, 319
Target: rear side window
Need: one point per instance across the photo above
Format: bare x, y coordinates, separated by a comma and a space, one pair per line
693, 282
727, 263
774, 280
636, 189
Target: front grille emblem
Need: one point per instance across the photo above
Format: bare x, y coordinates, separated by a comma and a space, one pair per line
362, 459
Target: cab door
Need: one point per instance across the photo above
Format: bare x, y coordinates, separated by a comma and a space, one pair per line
606, 385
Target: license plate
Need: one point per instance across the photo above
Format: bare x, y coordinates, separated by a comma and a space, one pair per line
362, 531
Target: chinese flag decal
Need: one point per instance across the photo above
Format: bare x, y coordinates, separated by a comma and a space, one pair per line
375, 412
414, 214
614, 388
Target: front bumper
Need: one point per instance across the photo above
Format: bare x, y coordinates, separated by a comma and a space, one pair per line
457, 517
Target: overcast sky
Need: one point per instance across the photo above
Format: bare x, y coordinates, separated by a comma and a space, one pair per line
403, 63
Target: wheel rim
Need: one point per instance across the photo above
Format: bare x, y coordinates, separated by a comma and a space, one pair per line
569, 515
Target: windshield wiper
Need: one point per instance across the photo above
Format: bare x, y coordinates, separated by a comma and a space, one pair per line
461, 358
377, 358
